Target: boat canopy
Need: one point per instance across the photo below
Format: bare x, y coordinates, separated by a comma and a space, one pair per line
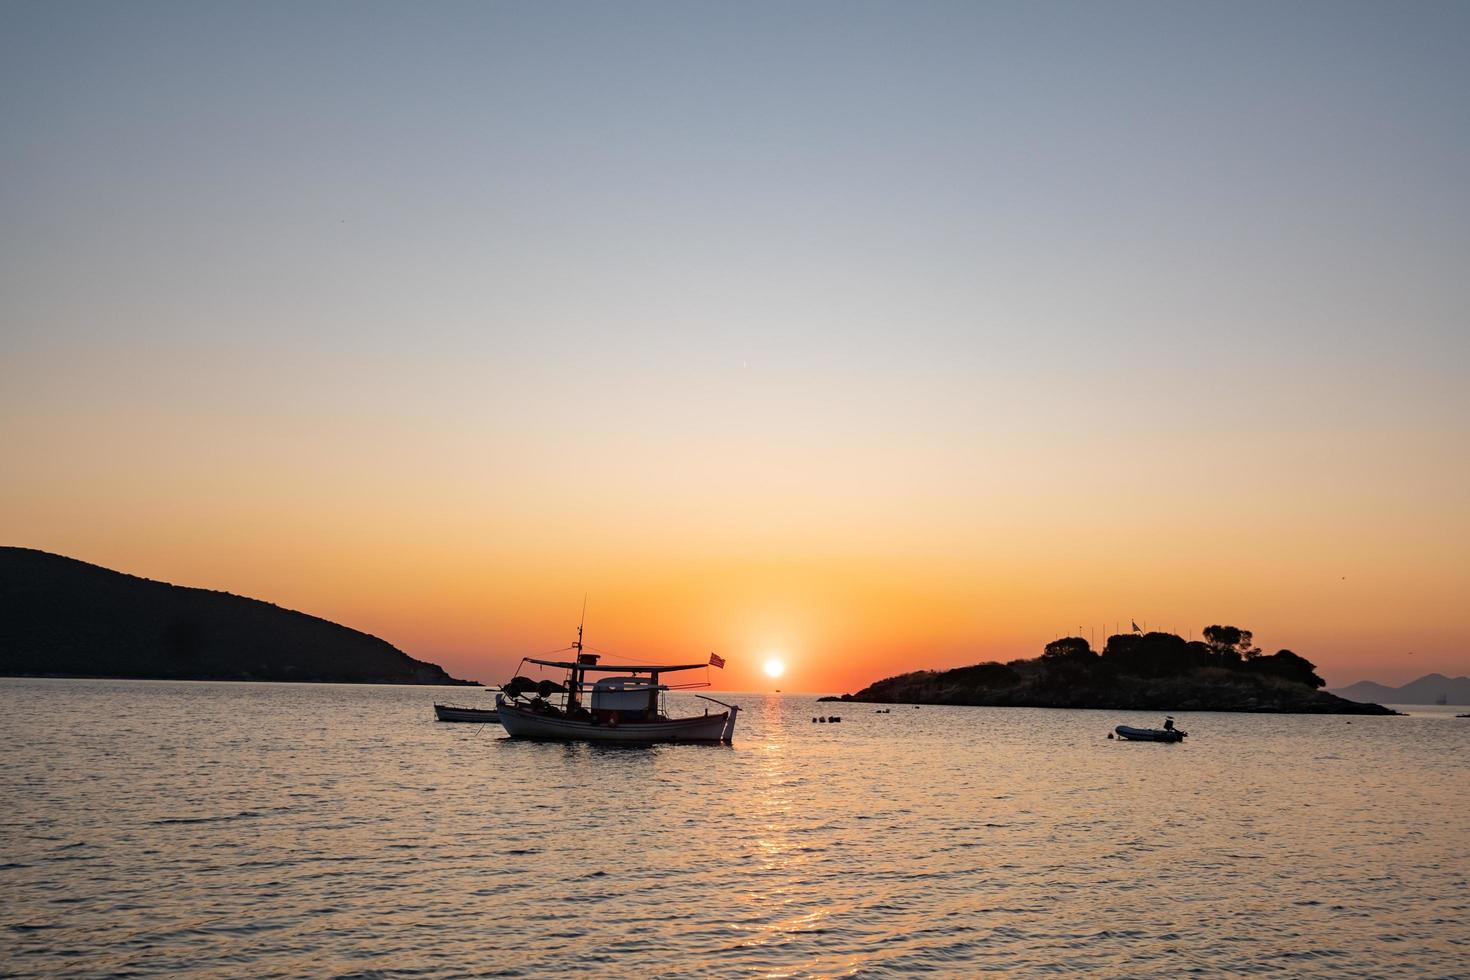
614, 668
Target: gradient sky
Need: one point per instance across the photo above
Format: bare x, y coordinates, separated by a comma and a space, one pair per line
883, 336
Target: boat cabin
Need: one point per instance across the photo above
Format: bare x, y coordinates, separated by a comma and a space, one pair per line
632, 695
618, 699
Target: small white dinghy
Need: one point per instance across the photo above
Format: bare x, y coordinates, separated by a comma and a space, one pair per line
448, 712
1131, 734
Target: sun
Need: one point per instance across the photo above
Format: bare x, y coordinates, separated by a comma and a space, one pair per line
775, 667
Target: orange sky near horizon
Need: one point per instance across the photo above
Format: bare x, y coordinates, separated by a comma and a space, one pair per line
835, 628
473, 594
857, 534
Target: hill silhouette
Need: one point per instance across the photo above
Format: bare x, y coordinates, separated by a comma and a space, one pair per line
1426, 690
1151, 671
60, 617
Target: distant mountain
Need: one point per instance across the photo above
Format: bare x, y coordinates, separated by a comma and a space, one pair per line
1426, 690
60, 617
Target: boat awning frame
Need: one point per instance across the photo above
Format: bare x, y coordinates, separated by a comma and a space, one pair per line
613, 668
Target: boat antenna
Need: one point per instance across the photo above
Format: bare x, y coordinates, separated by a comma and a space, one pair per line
580, 625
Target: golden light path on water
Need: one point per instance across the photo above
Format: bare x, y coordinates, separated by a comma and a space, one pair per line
312, 829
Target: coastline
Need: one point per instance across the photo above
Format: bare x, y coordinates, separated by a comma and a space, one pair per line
387, 682
1358, 709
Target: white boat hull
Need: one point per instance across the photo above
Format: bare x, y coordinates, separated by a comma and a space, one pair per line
701, 728
448, 712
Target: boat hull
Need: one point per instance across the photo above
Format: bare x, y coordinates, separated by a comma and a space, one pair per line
447, 712
1148, 734
701, 728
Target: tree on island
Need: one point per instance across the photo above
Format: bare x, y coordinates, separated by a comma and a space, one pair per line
1168, 655
1073, 649
1288, 666
1067, 661
1153, 654
1230, 645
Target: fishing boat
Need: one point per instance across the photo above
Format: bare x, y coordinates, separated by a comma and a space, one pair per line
1131, 734
449, 712
627, 707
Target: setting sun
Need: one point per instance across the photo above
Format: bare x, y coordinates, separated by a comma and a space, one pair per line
775, 667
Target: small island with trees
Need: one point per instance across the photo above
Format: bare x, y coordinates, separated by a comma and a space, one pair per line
1135, 671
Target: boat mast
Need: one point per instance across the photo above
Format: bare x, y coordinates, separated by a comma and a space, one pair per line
574, 689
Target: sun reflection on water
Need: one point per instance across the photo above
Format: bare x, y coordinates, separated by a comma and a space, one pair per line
341, 828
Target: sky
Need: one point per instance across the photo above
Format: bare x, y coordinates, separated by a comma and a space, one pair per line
877, 337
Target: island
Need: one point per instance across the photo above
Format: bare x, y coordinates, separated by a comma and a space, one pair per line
1134, 672
60, 617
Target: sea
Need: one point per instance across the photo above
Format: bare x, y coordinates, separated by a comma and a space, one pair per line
262, 830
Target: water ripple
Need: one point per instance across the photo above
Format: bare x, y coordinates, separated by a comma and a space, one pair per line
340, 831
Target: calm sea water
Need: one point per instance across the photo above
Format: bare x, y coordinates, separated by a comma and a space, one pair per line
260, 829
